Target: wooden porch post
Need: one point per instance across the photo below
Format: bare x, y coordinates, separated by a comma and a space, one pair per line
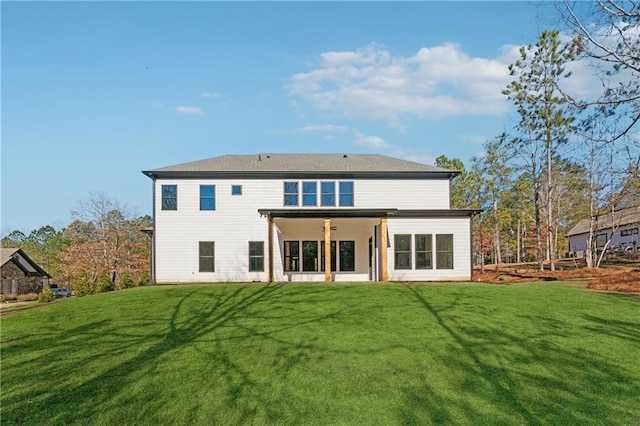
383, 249
327, 249
270, 247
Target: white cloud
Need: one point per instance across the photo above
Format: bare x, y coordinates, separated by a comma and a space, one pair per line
213, 95
436, 81
189, 110
370, 141
321, 128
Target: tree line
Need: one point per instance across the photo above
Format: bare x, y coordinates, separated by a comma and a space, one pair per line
568, 157
102, 249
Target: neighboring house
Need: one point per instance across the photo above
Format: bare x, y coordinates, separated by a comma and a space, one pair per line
20, 274
307, 217
626, 223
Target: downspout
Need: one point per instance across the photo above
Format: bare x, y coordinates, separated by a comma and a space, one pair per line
152, 279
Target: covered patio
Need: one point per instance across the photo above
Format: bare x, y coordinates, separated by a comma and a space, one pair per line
327, 244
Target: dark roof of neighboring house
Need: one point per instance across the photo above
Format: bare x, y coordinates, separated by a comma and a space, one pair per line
8, 254
283, 165
621, 217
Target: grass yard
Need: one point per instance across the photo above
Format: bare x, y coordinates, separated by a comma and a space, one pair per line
545, 353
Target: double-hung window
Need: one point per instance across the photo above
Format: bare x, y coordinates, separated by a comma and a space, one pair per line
256, 256
169, 197
207, 197
328, 193
291, 193
207, 256
347, 256
333, 256
309, 256
444, 251
291, 256
402, 251
346, 193
309, 193
424, 256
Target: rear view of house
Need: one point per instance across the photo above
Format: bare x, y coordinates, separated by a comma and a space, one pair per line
307, 217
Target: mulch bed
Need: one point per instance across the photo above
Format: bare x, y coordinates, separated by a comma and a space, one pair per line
620, 278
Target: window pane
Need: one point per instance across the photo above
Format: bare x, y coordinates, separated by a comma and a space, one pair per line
291, 200
290, 187
207, 204
236, 189
256, 256
328, 193
444, 251
333, 256
402, 251
169, 197
291, 193
207, 257
347, 256
207, 197
346, 193
207, 190
309, 255
291, 256
309, 193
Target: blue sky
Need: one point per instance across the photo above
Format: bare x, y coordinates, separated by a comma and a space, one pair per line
93, 93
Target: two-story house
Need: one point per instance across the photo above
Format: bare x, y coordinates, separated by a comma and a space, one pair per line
307, 217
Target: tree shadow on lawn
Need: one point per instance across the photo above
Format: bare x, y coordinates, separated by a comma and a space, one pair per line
501, 376
104, 392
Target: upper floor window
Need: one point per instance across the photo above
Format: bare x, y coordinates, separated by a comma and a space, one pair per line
328, 193
207, 197
236, 189
169, 197
627, 232
291, 193
309, 193
346, 193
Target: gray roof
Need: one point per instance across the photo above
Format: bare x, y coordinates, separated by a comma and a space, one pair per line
6, 254
301, 163
621, 217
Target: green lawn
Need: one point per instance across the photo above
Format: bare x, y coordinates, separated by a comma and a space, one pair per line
549, 353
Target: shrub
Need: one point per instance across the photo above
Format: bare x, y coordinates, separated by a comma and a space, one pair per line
84, 287
143, 279
105, 284
126, 281
45, 296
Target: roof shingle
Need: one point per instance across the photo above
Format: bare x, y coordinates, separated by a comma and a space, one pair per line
321, 163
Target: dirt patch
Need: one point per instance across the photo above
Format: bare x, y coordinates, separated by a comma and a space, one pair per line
619, 278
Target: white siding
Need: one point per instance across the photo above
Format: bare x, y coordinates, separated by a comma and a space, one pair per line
236, 221
231, 226
402, 194
459, 227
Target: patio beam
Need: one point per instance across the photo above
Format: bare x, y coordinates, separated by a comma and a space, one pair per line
327, 249
384, 275
270, 247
